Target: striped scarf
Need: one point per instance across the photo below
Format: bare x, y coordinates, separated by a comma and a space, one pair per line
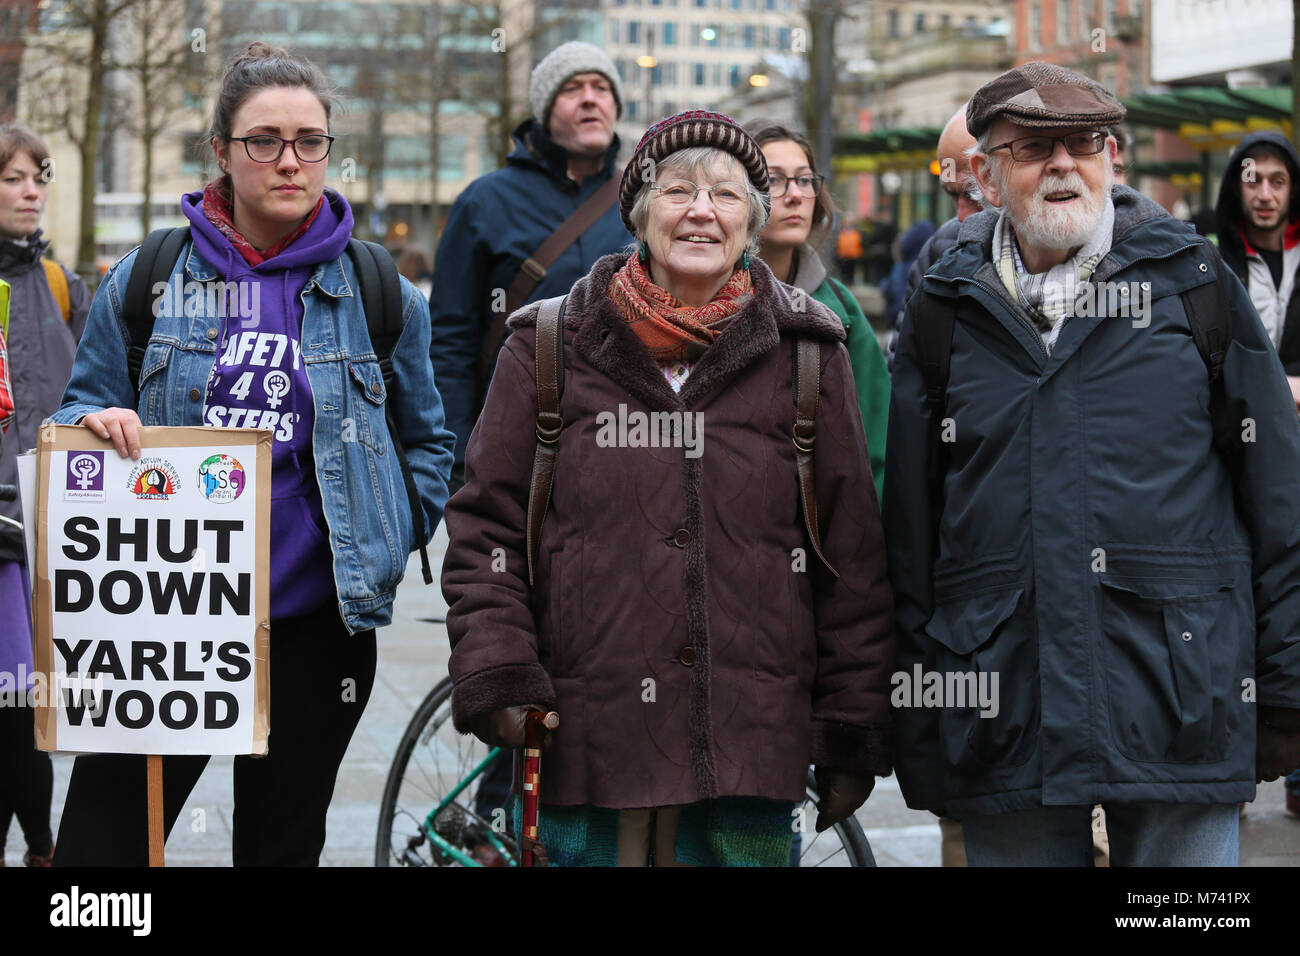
1049, 296
670, 329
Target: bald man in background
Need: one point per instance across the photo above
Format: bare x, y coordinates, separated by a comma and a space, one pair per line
956, 180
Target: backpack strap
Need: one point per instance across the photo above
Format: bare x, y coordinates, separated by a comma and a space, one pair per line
935, 320
550, 423
57, 280
381, 298
1209, 313
153, 265
807, 390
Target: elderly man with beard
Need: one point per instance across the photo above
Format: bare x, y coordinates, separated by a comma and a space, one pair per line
1092, 509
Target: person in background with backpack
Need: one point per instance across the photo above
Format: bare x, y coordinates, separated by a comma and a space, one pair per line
47, 312
529, 230
1093, 511
700, 597
301, 362
802, 214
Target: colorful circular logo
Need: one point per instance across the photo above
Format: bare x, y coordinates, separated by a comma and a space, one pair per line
221, 478
154, 479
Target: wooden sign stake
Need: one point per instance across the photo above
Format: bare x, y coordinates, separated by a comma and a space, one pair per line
155, 809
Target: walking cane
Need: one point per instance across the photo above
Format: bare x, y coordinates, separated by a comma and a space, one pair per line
536, 725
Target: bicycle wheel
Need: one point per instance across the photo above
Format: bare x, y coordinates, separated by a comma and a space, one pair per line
431, 761
842, 845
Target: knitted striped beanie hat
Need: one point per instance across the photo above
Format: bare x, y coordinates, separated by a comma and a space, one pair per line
686, 129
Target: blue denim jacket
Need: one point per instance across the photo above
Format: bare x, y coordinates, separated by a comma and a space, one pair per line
364, 498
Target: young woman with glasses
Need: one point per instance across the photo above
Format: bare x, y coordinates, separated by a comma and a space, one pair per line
341, 523
802, 214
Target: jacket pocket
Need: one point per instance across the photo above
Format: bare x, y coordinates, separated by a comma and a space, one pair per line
983, 676
372, 426
153, 379
1169, 645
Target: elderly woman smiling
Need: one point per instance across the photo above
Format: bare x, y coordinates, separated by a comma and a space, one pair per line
704, 630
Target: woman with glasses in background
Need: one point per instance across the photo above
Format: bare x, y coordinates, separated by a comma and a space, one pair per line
802, 214
341, 523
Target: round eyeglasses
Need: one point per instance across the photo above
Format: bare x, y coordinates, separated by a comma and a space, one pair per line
1031, 149
265, 148
682, 192
810, 185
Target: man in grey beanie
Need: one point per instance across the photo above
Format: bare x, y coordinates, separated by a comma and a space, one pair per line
527, 231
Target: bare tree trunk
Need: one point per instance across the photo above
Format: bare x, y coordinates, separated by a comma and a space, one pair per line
146, 134
90, 135
1295, 69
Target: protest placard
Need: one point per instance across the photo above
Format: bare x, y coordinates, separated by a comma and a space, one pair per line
151, 592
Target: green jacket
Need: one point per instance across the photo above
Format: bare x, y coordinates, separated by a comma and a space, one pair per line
870, 373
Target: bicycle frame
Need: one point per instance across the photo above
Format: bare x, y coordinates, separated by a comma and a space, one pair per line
445, 847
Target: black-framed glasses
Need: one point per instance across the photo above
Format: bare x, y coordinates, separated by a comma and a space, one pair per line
1031, 149
265, 148
809, 185
682, 192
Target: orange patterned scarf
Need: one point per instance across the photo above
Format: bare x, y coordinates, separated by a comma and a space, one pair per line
671, 330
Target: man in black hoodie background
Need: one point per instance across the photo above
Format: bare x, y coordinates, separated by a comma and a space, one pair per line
1258, 215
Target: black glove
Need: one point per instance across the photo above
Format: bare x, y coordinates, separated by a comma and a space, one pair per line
505, 727
1277, 743
840, 794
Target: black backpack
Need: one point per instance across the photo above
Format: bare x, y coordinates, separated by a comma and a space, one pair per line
1209, 314
381, 298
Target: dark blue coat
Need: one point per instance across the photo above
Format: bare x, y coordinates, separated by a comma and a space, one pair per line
497, 222
1089, 551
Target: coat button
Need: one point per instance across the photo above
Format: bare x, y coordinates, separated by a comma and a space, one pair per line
687, 656
374, 387
211, 334
195, 395
681, 537
1187, 635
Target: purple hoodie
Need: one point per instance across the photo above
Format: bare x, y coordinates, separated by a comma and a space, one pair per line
260, 381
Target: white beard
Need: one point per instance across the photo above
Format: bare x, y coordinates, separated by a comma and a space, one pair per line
1047, 226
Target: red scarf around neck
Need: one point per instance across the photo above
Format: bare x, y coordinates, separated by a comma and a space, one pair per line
670, 329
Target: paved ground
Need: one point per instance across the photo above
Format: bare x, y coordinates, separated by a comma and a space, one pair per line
412, 658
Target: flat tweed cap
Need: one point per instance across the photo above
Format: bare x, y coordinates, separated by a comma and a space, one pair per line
1040, 94
682, 131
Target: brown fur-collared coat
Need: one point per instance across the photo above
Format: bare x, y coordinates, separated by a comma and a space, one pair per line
691, 641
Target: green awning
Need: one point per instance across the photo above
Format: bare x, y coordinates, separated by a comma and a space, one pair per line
1203, 105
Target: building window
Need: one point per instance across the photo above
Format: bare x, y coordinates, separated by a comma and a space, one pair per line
717, 74
733, 76
918, 23
1035, 26
700, 72
747, 36
633, 31
945, 21
1085, 19
670, 34
613, 31
783, 38
893, 24
451, 156
1111, 8
1062, 22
